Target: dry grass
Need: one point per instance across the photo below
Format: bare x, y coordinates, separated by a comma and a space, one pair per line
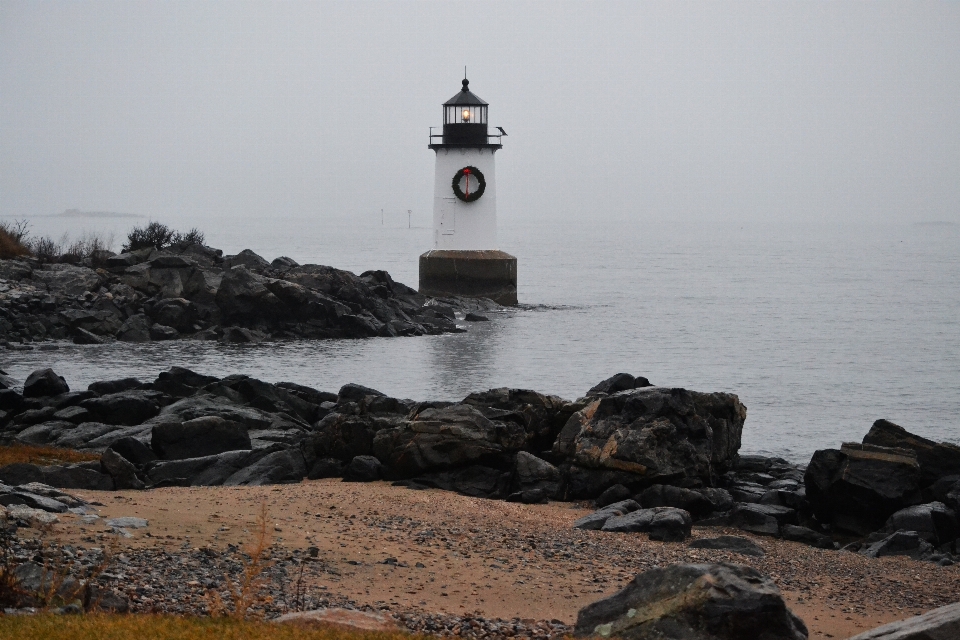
246, 590
42, 455
153, 627
12, 237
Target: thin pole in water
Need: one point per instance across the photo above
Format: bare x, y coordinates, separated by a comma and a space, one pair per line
409, 213
381, 216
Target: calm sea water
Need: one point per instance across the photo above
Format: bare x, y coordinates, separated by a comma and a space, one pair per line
820, 331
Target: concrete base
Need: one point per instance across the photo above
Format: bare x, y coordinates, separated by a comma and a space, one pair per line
474, 274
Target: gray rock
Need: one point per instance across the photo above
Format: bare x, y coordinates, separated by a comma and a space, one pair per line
134, 451
248, 259
693, 602
163, 332
661, 523
204, 471
762, 519
128, 522
356, 392
363, 469
280, 467
73, 414
813, 538
616, 493
618, 382
205, 436
33, 500
736, 544
936, 460
82, 336
939, 624
326, 468
660, 495
64, 477
67, 279
122, 471
44, 383
135, 329
535, 474
114, 386
595, 521
899, 543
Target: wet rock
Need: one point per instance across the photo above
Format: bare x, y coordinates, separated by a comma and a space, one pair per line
715, 601
618, 382
163, 332
761, 519
6, 382
82, 336
363, 469
74, 414
44, 383
114, 386
736, 544
241, 335
936, 460
199, 437
660, 523
939, 624
356, 392
858, 487
475, 317
135, 329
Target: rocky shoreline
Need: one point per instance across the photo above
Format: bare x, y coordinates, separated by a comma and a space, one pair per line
652, 459
194, 291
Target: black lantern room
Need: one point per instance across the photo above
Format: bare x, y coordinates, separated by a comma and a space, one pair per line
465, 121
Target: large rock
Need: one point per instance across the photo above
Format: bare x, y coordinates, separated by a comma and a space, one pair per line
693, 602
44, 382
939, 624
205, 436
122, 471
134, 451
67, 279
451, 437
899, 543
63, 477
363, 469
126, 407
595, 521
762, 519
656, 435
934, 522
279, 467
660, 495
535, 474
136, 328
736, 544
204, 471
244, 297
541, 416
660, 523
619, 382
857, 487
936, 459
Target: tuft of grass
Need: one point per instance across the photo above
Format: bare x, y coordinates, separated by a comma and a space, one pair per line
246, 590
13, 237
156, 627
31, 454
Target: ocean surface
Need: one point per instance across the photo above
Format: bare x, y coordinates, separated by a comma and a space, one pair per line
819, 330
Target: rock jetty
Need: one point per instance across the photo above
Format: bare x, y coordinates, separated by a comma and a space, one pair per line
191, 290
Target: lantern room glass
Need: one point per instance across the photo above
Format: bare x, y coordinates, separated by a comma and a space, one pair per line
465, 114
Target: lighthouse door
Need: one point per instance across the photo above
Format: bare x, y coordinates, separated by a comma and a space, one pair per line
448, 216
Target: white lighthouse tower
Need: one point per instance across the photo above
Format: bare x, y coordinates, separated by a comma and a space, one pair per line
465, 260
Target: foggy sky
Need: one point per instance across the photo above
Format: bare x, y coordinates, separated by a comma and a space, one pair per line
775, 111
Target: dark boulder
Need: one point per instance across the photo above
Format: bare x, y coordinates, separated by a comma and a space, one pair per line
126, 407
44, 383
656, 434
451, 437
203, 405
476, 481
122, 471
806, 536
248, 259
693, 601
534, 474
6, 382
899, 543
586, 484
660, 495
114, 386
736, 544
200, 472
356, 392
541, 416
136, 328
280, 467
934, 522
82, 336
363, 469
616, 493
529, 496
857, 487
595, 521
762, 519
243, 297
163, 332
199, 437
619, 382
344, 436
63, 477
182, 382
179, 313
660, 523
11, 401
936, 459
938, 624
945, 490
326, 468
134, 451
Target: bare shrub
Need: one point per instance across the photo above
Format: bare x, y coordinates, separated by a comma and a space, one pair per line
12, 238
160, 236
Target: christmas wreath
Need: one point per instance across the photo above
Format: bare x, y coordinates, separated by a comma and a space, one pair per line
469, 196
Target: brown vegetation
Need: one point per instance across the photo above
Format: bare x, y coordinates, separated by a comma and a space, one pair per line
117, 627
31, 454
12, 238
246, 589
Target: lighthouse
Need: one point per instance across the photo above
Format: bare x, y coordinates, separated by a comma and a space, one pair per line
465, 260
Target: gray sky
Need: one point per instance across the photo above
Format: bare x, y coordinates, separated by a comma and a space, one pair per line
697, 111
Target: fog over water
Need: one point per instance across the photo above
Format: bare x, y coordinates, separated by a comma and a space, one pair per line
722, 196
